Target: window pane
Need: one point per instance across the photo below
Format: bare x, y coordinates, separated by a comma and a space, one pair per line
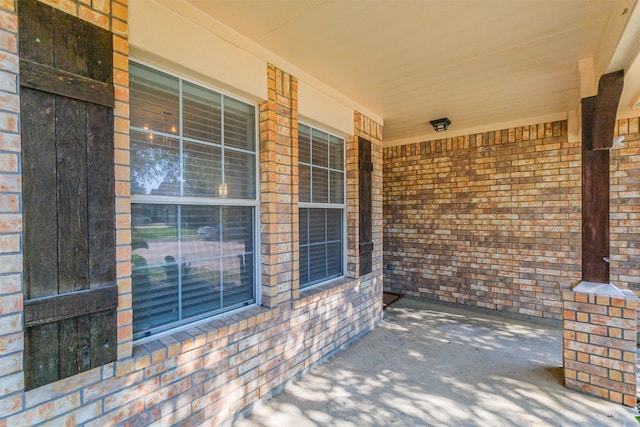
237, 226
304, 226
337, 187
304, 182
201, 113
317, 225
317, 263
336, 153
153, 99
200, 287
319, 148
189, 268
237, 244
334, 224
304, 144
200, 267
239, 124
154, 269
304, 266
239, 175
155, 164
237, 271
334, 259
320, 185
321, 245
202, 170
200, 232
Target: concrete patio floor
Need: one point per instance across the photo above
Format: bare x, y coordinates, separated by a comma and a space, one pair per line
435, 365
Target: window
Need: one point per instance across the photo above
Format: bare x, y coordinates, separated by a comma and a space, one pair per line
193, 194
321, 181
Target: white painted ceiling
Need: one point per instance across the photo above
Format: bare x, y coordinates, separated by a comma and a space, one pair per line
478, 62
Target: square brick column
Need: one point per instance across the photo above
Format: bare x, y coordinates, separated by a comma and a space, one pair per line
599, 346
279, 189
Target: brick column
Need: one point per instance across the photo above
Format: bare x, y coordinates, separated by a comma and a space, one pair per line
279, 189
119, 27
599, 346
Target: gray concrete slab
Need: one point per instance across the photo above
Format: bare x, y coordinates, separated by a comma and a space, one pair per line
433, 365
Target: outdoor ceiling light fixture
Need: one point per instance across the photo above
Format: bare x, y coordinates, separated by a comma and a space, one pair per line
440, 125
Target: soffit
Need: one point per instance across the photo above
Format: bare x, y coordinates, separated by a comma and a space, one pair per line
476, 62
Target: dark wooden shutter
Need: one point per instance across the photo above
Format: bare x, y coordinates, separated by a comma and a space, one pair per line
66, 101
365, 167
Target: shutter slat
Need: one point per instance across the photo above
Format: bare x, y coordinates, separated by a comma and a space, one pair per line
63, 83
60, 307
101, 196
71, 136
41, 355
39, 193
36, 32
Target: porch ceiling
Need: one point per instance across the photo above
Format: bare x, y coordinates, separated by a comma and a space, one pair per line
480, 63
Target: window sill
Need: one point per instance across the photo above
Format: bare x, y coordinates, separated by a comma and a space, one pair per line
194, 336
218, 329
315, 292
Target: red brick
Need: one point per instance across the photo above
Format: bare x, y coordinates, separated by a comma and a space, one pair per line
630, 400
614, 396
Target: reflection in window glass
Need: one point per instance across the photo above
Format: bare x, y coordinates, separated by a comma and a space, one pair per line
239, 175
319, 148
304, 187
191, 150
157, 98
189, 260
320, 186
239, 130
321, 245
155, 164
336, 187
202, 169
201, 113
211, 152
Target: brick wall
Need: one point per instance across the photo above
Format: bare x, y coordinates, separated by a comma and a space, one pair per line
202, 374
599, 345
493, 220
625, 207
206, 374
490, 220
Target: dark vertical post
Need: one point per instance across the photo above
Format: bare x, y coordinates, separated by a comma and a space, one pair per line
598, 125
595, 202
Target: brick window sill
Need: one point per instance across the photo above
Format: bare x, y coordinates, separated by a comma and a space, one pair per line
194, 338
315, 293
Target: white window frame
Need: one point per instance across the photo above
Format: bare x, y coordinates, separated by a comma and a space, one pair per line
208, 201
343, 206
